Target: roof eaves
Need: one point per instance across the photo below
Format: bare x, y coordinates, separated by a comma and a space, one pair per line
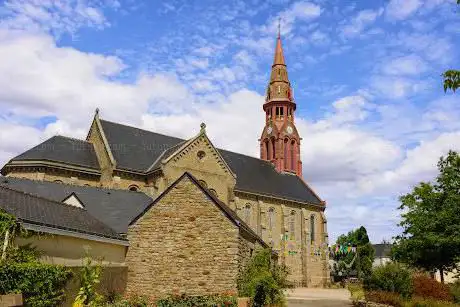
280, 198
51, 229
51, 163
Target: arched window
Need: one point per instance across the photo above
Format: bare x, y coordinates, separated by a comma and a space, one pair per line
286, 153
247, 213
293, 155
267, 150
271, 218
273, 149
133, 188
312, 228
292, 225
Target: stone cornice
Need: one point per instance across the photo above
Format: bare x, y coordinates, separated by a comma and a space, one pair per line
322, 207
51, 164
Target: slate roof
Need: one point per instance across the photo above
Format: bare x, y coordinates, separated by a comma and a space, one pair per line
382, 250
133, 148
63, 149
44, 212
227, 211
137, 149
115, 208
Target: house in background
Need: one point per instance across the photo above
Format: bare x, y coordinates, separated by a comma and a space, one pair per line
382, 254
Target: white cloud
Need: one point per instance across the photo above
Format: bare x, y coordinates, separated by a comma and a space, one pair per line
401, 9
358, 23
396, 87
405, 65
56, 17
299, 11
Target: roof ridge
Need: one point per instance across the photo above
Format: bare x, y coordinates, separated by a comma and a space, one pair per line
68, 137
150, 131
132, 127
41, 197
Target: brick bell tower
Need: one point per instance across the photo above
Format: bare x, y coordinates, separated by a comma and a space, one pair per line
280, 140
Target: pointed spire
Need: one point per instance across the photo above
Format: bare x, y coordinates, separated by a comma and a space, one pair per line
279, 56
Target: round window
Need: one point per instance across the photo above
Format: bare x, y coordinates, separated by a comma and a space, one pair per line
201, 154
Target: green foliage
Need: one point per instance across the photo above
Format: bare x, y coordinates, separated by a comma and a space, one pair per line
263, 280
455, 289
431, 221
391, 277
357, 291
362, 264
23, 254
20, 272
451, 80
198, 301
89, 279
41, 284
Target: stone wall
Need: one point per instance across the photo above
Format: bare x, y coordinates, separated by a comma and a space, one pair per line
286, 227
183, 244
209, 168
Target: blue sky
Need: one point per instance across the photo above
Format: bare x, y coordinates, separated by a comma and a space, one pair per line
366, 78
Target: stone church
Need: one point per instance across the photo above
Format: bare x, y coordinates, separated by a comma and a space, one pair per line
181, 204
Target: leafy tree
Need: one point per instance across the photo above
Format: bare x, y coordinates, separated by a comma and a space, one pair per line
451, 77
451, 80
431, 221
362, 264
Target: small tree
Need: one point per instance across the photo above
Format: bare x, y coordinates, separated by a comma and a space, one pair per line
431, 221
89, 279
360, 262
263, 280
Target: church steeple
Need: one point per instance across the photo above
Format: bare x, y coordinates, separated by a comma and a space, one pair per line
280, 141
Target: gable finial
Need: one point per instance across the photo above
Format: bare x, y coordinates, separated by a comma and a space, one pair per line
203, 127
96, 113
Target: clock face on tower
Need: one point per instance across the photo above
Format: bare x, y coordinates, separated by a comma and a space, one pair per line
269, 130
289, 129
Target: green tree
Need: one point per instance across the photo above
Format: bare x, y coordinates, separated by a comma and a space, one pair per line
362, 263
431, 221
451, 80
451, 77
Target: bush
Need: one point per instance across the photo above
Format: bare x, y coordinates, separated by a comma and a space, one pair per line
427, 287
455, 291
198, 301
263, 280
423, 302
391, 277
41, 284
383, 297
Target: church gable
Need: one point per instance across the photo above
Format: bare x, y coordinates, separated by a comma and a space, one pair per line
183, 233
199, 157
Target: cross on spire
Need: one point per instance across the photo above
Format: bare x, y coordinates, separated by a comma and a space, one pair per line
279, 27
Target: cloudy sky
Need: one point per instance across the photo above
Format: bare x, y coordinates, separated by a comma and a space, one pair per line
366, 76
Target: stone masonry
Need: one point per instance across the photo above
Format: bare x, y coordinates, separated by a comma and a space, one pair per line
185, 243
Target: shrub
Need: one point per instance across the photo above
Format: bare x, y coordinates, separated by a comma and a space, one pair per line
41, 284
198, 301
383, 297
263, 280
427, 287
423, 302
391, 277
89, 278
455, 291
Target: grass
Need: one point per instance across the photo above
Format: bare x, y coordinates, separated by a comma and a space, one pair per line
357, 291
